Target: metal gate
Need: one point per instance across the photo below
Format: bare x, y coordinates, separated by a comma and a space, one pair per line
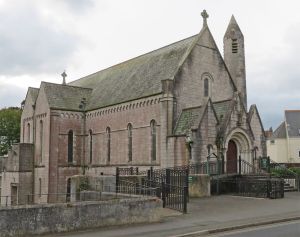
171, 185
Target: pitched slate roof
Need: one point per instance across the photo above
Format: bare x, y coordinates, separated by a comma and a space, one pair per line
33, 92
135, 78
188, 118
222, 108
280, 132
292, 118
66, 97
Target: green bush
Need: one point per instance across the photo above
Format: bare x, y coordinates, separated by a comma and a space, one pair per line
283, 172
295, 170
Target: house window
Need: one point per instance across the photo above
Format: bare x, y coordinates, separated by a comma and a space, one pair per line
70, 146
108, 138
234, 46
299, 153
91, 145
129, 130
153, 140
41, 140
206, 87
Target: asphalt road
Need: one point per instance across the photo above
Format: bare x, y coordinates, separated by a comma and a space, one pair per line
288, 229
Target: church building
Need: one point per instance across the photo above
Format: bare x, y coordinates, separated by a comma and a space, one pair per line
169, 107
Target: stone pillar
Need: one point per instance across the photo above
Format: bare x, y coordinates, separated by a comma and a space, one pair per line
166, 120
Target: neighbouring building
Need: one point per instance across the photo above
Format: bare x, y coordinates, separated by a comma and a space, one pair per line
160, 109
283, 145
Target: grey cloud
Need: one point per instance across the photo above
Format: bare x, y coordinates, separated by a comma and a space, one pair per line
11, 95
29, 45
278, 83
79, 5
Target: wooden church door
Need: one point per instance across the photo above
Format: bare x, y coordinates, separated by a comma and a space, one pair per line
231, 155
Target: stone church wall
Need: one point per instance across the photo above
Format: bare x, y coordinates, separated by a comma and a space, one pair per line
258, 135
189, 86
139, 114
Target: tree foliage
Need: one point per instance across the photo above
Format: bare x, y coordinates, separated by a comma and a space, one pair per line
9, 128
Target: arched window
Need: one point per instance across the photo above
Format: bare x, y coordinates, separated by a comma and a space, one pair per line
153, 139
91, 145
129, 129
206, 87
108, 139
207, 84
28, 132
70, 146
41, 139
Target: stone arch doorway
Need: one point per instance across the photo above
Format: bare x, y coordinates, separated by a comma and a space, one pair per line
237, 144
231, 154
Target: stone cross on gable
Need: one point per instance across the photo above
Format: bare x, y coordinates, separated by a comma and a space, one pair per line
205, 16
64, 75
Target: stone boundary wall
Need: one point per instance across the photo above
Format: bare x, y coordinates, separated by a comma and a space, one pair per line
53, 218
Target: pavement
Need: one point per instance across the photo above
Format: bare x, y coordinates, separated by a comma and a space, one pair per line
210, 215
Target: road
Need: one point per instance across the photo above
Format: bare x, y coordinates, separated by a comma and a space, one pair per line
288, 229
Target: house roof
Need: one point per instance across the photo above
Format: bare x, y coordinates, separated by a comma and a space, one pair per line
66, 97
292, 118
136, 78
280, 132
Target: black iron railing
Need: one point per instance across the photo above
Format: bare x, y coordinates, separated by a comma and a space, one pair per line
171, 185
263, 188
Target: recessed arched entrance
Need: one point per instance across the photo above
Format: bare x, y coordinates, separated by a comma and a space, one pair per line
231, 154
237, 144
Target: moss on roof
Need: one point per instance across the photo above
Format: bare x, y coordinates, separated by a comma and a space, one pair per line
188, 119
66, 97
222, 108
135, 78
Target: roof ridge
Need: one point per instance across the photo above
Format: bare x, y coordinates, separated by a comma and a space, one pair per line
131, 59
79, 87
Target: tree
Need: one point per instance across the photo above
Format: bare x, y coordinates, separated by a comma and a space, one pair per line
9, 128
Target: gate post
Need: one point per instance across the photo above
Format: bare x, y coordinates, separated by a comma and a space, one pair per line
117, 179
268, 164
163, 194
186, 183
185, 199
168, 181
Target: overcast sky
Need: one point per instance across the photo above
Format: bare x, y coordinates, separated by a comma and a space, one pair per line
41, 38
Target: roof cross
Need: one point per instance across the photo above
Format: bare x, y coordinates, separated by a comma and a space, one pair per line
205, 16
64, 75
